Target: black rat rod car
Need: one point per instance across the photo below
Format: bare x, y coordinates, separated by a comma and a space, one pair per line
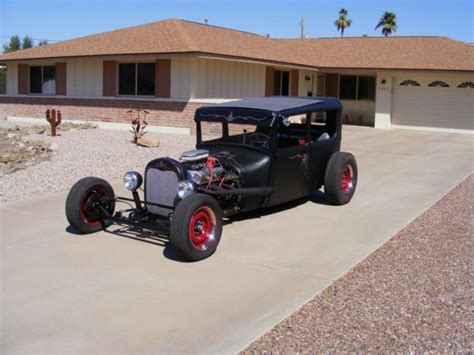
250, 154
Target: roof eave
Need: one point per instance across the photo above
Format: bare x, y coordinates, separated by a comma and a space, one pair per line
168, 54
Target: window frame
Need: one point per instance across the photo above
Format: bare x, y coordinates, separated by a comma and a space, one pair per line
357, 87
42, 66
135, 80
410, 83
438, 84
368, 78
466, 85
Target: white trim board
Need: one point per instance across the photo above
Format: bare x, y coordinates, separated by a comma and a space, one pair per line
104, 125
434, 129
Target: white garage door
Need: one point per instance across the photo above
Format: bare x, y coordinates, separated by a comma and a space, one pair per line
434, 107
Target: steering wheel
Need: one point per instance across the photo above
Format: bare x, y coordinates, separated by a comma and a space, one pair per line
259, 139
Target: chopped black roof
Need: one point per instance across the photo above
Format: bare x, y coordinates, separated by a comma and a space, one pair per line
273, 103
262, 110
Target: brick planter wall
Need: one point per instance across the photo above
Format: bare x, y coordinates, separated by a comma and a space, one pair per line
162, 113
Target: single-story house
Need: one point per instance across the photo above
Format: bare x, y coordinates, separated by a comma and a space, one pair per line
172, 67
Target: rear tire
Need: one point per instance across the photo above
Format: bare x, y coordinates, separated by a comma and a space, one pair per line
80, 211
340, 178
196, 227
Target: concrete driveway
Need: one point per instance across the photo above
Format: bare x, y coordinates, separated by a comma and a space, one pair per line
107, 293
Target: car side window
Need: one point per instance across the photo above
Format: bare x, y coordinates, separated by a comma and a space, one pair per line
294, 134
321, 127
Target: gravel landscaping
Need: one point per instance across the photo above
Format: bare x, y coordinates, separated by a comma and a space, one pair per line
79, 153
414, 294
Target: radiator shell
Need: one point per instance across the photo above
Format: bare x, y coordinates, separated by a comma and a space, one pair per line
161, 185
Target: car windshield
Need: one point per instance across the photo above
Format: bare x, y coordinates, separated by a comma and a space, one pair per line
236, 134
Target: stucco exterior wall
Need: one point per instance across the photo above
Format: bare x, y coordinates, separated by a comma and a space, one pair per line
360, 108
383, 103
181, 77
218, 79
193, 83
306, 86
12, 79
364, 109
84, 78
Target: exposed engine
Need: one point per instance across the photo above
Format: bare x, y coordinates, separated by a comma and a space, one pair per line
207, 171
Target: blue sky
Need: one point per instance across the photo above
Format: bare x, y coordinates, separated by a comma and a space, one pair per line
62, 19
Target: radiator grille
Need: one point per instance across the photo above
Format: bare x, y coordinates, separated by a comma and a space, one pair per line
161, 186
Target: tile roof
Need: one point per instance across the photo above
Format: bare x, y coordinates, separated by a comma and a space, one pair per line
179, 36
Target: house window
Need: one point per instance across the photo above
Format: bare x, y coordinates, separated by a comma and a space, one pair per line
353, 87
43, 80
409, 82
281, 83
466, 85
348, 87
366, 88
438, 83
137, 79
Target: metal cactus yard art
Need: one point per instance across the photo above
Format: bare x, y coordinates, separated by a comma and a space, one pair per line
54, 118
138, 124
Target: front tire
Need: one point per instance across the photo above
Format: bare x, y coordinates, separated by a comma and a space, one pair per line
81, 202
340, 178
196, 227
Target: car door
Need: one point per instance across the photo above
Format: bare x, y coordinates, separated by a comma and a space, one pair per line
323, 143
291, 167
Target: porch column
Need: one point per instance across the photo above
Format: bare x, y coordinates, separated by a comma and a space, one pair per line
383, 101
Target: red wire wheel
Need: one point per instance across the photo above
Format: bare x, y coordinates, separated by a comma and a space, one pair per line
340, 178
196, 226
88, 211
202, 228
83, 201
347, 180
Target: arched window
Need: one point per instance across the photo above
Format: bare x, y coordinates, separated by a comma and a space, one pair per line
466, 85
439, 84
409, 82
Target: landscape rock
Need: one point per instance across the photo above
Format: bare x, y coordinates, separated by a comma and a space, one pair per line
150, 143
16, 150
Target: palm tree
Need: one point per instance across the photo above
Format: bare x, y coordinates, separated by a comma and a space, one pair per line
342, 22
388, 22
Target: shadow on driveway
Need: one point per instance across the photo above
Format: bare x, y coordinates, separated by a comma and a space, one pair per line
161, 238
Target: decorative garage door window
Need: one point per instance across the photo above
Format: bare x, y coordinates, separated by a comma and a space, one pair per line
439, 84
466, 85
409, 82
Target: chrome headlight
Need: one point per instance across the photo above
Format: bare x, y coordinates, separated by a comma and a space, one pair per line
185, 189
132, 180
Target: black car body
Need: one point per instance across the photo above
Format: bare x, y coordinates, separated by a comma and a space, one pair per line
250, 154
